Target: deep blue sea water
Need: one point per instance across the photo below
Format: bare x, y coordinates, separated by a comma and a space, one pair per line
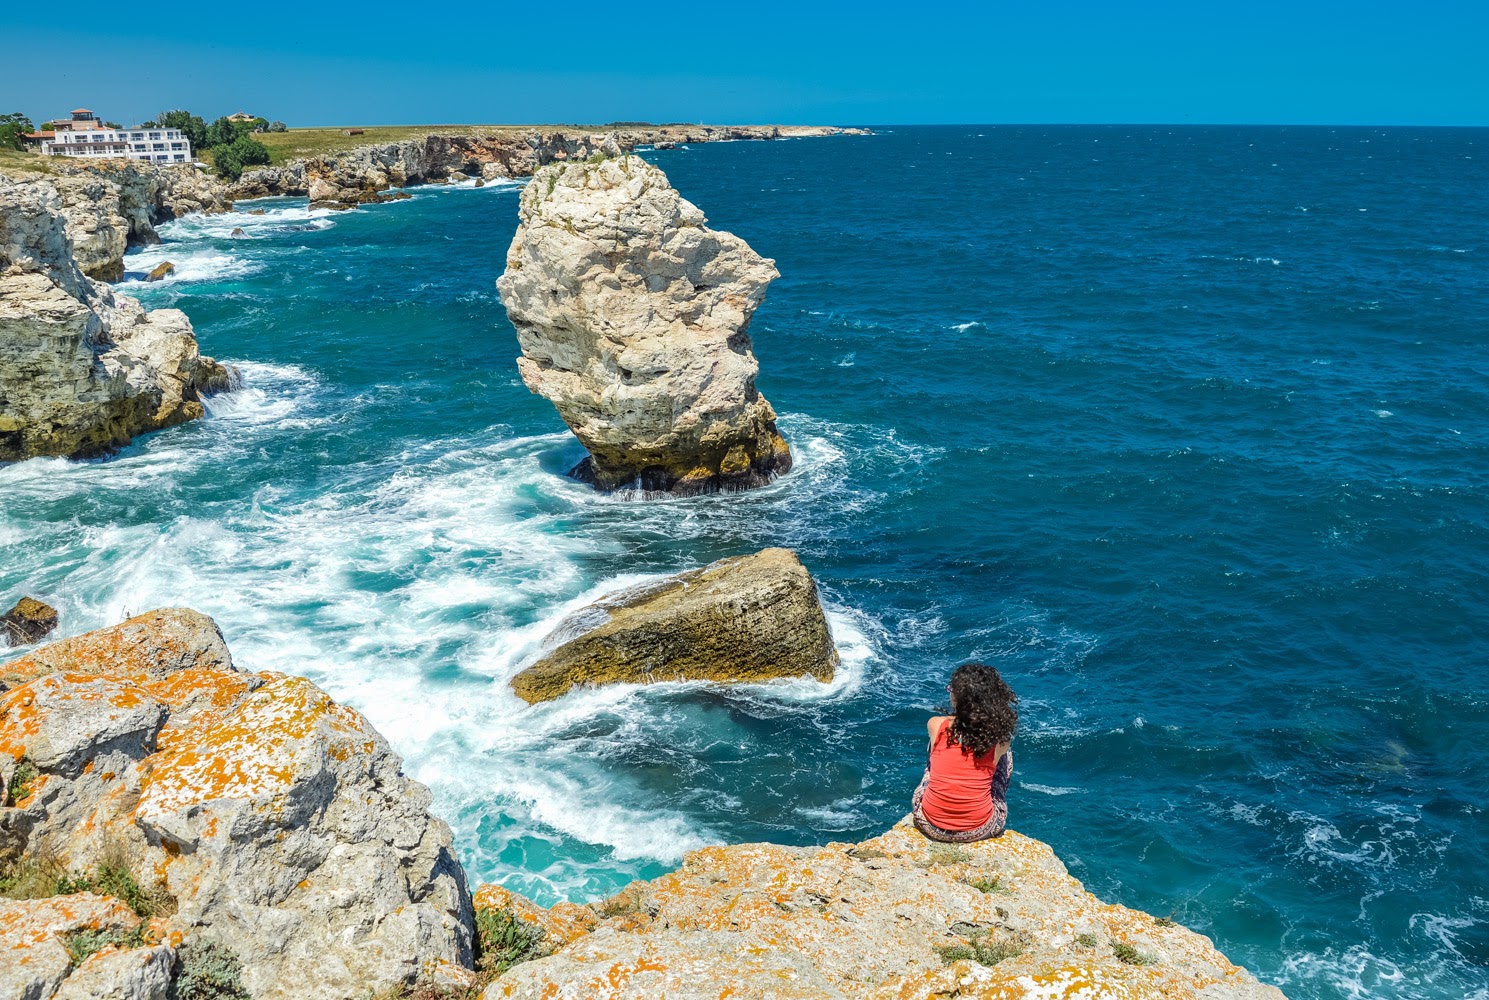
1185, 429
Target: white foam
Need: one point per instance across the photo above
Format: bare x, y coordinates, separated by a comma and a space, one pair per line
199, 264
1050, 789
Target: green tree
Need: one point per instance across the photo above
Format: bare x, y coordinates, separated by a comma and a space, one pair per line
192, 126
249, 151
12, 127
225, 162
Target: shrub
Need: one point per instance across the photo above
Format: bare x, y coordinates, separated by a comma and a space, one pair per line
503, 941
945, 854
1086, 940
208, 971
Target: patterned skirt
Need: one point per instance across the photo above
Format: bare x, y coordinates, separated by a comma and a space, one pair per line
994, 827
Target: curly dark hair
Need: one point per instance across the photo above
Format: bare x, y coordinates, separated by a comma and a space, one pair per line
985, 709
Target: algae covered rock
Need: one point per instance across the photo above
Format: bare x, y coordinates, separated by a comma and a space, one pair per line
161, 271
633, 318
745, 619
29, 621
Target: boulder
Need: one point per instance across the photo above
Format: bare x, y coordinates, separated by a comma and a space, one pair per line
151, 646
633, 318
277, 823
237, 232
162, 270
741, 620
34, 960
82, 370
29, 621
893, 918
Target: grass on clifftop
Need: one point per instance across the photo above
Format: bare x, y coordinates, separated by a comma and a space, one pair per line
302, 142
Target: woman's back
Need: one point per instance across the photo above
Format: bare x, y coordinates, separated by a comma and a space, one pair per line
960, 790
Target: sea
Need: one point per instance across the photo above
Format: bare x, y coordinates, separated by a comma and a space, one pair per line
1185, 429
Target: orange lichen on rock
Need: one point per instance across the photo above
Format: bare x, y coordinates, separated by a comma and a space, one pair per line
562, 923
873, 920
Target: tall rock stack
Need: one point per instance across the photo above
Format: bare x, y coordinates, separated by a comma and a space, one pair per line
82, 370
633, 317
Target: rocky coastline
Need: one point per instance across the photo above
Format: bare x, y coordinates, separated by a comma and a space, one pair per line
83, 369
175, 826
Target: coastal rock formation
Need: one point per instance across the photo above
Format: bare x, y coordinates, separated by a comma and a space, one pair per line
111, 205
746, 619
251, 812
166, 817
29, 621
893, 918
82, 369
633, 317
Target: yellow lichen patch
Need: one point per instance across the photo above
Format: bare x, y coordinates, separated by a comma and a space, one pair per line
254, 753
212, 693
561, 924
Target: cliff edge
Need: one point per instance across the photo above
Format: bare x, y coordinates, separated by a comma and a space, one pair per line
172, 826
82, 369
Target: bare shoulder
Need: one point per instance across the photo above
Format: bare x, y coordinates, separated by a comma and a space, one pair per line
933, 724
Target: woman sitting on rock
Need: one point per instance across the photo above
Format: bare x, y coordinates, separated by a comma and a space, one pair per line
962, 796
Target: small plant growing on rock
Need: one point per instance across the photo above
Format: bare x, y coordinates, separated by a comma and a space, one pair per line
984, 884
1129, 955
20, 781
981, 952
1086, 940
1164, 921
502, 941
208, 971
85, 943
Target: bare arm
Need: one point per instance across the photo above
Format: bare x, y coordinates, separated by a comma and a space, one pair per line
932, 727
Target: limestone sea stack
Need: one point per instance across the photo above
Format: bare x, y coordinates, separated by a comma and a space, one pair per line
746, 619
82, 369
633, 317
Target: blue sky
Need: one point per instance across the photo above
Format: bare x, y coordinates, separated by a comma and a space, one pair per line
1200, 61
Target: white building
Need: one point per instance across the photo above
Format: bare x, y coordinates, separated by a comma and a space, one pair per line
85, 136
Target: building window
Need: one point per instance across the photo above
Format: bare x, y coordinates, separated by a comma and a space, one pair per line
158, 145
180, 157
175, 145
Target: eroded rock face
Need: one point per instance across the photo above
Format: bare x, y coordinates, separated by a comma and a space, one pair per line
278, 822
633, 317
867, 920
746, 619
82, 369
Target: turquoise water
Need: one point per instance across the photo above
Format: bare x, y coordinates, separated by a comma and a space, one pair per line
1185, 429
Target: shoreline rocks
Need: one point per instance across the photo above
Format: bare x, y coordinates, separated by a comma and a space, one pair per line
633, 318
28, 622
83, 370
742, 620
250, 810
270, 837
895, 917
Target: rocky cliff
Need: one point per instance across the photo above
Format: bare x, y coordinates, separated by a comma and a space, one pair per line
82, 369
633, 318
174, 826
242, 811
362, 174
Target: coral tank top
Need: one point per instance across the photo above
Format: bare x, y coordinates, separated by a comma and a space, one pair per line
959, 795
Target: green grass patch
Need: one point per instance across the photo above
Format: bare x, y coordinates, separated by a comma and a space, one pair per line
979, 951
984, 884
945, 854
1086, 940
